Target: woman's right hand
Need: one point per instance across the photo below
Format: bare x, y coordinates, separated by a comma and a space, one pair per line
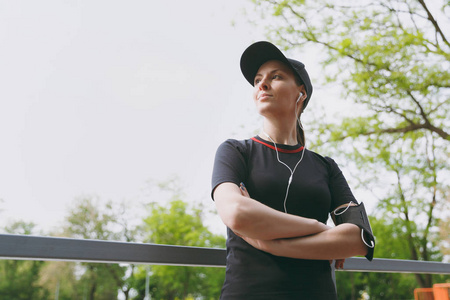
243, 190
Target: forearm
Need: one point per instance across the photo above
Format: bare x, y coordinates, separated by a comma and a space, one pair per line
250, 218
336, 243
259, 221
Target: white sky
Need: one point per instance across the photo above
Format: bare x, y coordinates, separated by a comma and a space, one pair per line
98, 97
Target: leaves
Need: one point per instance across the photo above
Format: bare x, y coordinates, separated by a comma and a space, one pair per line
177, 224
19, 279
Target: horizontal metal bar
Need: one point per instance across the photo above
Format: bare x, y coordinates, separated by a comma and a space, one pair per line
65, 249
356, 264
25, 247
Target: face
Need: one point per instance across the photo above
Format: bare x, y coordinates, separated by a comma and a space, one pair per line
275, 90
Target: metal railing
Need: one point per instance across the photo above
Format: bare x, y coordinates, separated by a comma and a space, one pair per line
25, 247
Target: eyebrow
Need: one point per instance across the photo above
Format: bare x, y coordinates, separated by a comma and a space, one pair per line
273, 71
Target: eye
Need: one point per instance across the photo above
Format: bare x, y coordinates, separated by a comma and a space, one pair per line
276, 76
257, 80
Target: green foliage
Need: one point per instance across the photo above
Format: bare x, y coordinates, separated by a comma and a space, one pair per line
350, 285
59, 277
386, 56
89, 218
19, 278
391, 243
101, 281
176, 224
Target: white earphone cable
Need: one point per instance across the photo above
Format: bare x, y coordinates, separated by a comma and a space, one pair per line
290, 170
278, 157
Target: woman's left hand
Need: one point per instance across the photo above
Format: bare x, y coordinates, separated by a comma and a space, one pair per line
339, 263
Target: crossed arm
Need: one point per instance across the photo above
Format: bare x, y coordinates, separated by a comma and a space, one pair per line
283, 234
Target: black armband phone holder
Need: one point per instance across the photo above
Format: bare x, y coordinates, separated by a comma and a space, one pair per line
357, 215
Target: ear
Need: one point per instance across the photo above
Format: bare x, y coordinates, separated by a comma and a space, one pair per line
301, 89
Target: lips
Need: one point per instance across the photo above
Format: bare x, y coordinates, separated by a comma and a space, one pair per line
262, 96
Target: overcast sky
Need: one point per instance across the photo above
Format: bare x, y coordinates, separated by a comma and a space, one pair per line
99, 97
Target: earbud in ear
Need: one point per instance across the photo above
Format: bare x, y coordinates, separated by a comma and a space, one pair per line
299, 96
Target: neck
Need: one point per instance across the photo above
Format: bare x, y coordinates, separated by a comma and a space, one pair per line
280, 133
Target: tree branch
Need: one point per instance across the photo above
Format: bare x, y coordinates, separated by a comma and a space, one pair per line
405, 129
433, 21
405, 211
413, 126
432, 165
428, 125
412, 247
391, 109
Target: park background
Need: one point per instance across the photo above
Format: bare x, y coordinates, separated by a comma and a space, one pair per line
120, 107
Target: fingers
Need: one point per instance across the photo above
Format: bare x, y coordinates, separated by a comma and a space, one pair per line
243, 190
339, 263
239, 235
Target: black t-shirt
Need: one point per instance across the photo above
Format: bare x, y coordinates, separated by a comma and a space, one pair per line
318, 187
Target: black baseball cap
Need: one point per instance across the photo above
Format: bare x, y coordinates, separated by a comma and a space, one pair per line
261, 52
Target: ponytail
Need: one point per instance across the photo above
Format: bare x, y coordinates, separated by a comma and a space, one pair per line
300, 131
300, 134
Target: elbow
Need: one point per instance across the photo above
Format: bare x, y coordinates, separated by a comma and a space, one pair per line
350, 237
235, 215
360, 249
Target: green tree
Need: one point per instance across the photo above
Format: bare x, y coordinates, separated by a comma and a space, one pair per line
391, 243
351, 285
444, 232
19, 279
89, 219
176, 224
59, 278
391, 59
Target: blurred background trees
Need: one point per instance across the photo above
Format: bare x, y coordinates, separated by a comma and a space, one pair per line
176, 224
19, 279
168, 221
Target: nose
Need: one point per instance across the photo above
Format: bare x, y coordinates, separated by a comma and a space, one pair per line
263, 84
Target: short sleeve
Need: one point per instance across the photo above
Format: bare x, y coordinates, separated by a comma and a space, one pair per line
230, 164
339, 189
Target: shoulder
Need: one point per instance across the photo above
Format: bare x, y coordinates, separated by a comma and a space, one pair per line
326, 161
318, 157
232, 145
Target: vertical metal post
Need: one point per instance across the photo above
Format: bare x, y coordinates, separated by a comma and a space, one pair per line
85, 292
57, 291
147, 284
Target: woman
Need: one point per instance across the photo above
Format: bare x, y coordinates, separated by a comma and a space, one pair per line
274, 195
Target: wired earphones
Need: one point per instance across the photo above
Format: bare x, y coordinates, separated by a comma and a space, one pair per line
278, 156
290, 170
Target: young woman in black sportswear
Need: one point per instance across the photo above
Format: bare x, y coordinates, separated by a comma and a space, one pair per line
275, 196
